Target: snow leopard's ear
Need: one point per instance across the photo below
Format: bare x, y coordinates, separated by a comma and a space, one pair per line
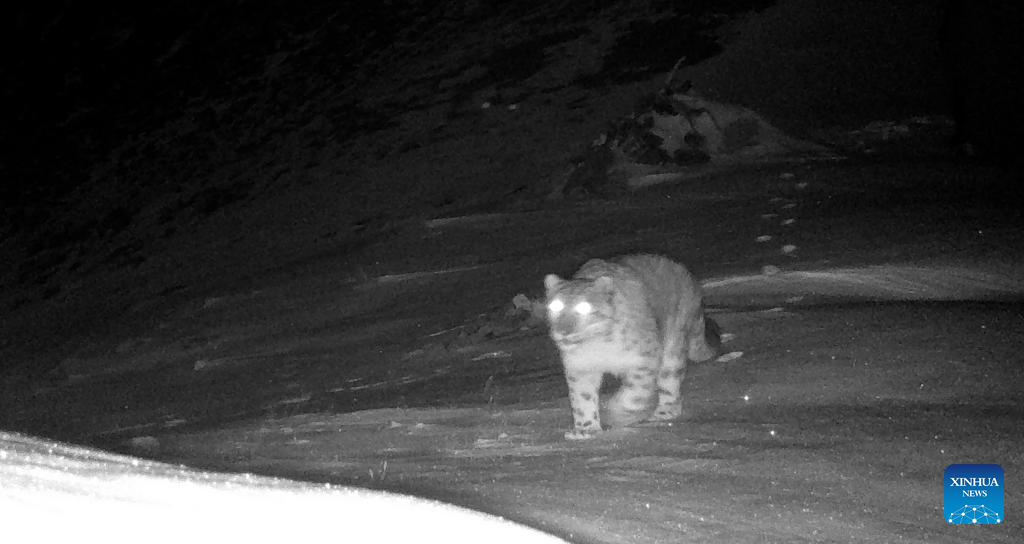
552, 282
603, 283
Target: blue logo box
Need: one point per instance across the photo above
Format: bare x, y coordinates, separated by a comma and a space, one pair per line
973, 494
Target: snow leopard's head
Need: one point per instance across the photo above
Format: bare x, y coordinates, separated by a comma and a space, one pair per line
578, 309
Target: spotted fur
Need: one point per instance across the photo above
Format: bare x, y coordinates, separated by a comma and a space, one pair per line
637, 317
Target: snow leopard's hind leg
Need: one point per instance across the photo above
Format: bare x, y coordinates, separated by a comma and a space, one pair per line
635, 399
671, 374
670, 382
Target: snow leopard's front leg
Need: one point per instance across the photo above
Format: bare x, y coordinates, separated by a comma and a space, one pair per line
583, 397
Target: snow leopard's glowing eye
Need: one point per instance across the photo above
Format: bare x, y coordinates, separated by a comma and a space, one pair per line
583, 308
556, 306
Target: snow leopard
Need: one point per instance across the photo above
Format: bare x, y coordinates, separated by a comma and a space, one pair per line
637, 317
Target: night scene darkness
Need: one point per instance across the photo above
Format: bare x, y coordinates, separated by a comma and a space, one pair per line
510, 271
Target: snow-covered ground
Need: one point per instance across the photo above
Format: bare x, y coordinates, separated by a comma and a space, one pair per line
850, 388
54, 492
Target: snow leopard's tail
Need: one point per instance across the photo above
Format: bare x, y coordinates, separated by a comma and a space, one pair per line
707, 340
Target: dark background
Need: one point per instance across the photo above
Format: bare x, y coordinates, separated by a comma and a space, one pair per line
189, 131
